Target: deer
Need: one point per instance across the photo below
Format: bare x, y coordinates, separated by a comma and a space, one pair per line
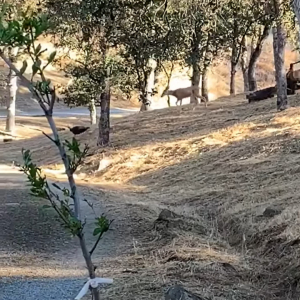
183, 93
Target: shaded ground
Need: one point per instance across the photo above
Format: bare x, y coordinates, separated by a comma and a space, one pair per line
37, 258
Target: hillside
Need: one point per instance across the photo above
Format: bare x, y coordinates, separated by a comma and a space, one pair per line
230, 176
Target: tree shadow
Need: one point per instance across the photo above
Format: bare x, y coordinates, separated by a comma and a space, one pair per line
26, 227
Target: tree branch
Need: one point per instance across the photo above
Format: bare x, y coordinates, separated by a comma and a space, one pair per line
96, 244
49, 137
25, 81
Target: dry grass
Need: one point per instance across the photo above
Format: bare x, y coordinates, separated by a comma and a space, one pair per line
218, 169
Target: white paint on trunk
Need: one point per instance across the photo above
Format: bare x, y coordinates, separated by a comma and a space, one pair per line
93, 113
150, 85
12, 81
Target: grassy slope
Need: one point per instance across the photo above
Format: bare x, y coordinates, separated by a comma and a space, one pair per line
218, 169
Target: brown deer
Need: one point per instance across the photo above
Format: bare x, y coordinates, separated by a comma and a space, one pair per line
183, 93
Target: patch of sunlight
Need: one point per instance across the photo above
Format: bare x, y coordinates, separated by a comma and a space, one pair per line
35, 272
212, 96
5, 169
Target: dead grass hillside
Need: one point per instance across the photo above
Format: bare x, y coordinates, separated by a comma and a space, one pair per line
229, 173
232, 173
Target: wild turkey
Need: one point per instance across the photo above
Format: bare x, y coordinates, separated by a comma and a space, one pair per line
78, 129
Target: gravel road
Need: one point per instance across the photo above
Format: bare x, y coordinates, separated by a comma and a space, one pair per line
39, 289
33, 248
38, 260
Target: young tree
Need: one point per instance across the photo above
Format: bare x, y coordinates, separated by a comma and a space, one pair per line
241, 17
143, 36
260, 36
23, 33
90, 29
238, 16
202, 36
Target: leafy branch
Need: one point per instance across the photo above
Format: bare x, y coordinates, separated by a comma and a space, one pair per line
22, 31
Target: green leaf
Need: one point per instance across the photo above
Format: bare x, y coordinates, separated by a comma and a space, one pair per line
24, 67
35, 69
38, 62
97, 231
46, 206
38, 49
51, 57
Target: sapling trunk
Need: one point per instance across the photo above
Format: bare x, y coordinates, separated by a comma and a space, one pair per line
76, 199
64, 157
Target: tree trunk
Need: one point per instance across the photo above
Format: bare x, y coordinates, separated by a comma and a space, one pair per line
146, 104
279, 40
296, 8
232, 78
169, 101
93, 112
196, 59
104, 122
11, 103
255, 56
13, 88
234, 56
233, 71
244, 65
196, 79
89, 264
204, 85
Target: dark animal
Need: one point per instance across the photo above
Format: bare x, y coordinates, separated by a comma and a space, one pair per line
292, 86
292, 79
78, 129
263, 94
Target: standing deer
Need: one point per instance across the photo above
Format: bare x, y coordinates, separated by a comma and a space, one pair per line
183, 93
